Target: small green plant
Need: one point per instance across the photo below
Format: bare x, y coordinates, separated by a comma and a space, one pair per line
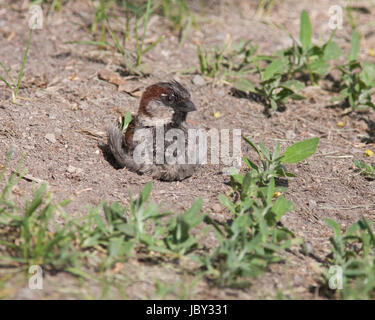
94, 232
272, 164
233, 63
211, 61
246, 187
264, 6
354, 253
272, 89
177, 237
53, 4
228, 63
365, 169
11, 83
254, 238
141, 215
178, 12
118, 233
101, 7
140, 41
25, 231
125, 121
307, 58
353, 14
357, 81
132, 57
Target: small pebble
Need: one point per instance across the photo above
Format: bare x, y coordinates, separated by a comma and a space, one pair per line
290, 135
12, 151
75, 170
312, 203
216, 207
165, 53
307, 247
198, 80
50, 137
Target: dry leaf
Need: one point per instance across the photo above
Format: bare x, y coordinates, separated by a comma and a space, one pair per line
131, 88
118, 267
111, 77
30, 178
194, 123
11, 36
96, 134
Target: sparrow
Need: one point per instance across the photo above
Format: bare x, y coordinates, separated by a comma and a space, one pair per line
162, 105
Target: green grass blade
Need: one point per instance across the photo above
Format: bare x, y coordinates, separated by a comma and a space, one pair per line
92, 43
305, 35
7, 73
152, 45
115, 39
146, 16
6, 83
354, 46
23, 64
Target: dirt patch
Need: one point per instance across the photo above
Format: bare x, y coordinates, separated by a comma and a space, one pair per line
60, 119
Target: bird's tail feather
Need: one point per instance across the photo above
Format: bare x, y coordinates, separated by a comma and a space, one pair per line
115, 142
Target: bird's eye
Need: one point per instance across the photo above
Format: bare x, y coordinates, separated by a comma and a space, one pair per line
171, 98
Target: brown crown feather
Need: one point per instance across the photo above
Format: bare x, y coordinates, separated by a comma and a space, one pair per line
152, 92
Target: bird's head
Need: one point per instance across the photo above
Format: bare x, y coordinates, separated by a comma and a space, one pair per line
165, 102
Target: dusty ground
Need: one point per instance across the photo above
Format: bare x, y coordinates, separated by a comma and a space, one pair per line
62, 95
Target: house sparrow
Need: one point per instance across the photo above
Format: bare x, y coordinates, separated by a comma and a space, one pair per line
166, 105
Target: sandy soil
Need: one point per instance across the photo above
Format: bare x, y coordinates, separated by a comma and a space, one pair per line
60, 119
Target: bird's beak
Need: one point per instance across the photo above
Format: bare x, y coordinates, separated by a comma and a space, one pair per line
186, 106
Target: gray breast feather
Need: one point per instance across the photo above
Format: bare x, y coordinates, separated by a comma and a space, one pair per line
124, 156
